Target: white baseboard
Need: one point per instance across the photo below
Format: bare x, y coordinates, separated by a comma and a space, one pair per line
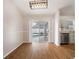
27, 42
51, 42
12, 50
57, 44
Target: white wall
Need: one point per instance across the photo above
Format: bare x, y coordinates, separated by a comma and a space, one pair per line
26, 29
13, 35
57, 37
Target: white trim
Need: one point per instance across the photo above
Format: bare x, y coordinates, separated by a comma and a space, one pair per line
12, 50
27, 42
57, 44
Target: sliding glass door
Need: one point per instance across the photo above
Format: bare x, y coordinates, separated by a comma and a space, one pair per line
39, 32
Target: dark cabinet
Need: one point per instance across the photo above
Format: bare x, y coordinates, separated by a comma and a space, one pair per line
64, 38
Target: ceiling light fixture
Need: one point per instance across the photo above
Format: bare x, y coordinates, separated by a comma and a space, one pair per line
38, 4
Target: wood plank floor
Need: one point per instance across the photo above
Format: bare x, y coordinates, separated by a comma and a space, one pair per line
42, 51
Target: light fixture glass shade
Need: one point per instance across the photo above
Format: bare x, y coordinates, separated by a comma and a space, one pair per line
38, 4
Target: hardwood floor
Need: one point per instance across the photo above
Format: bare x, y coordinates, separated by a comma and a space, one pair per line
43, 51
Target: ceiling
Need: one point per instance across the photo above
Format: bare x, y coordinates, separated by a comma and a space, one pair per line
53, 6
68, 11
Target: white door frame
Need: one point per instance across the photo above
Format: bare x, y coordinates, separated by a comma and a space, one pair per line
30, 29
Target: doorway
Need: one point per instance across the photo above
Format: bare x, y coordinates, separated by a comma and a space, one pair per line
39, 32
